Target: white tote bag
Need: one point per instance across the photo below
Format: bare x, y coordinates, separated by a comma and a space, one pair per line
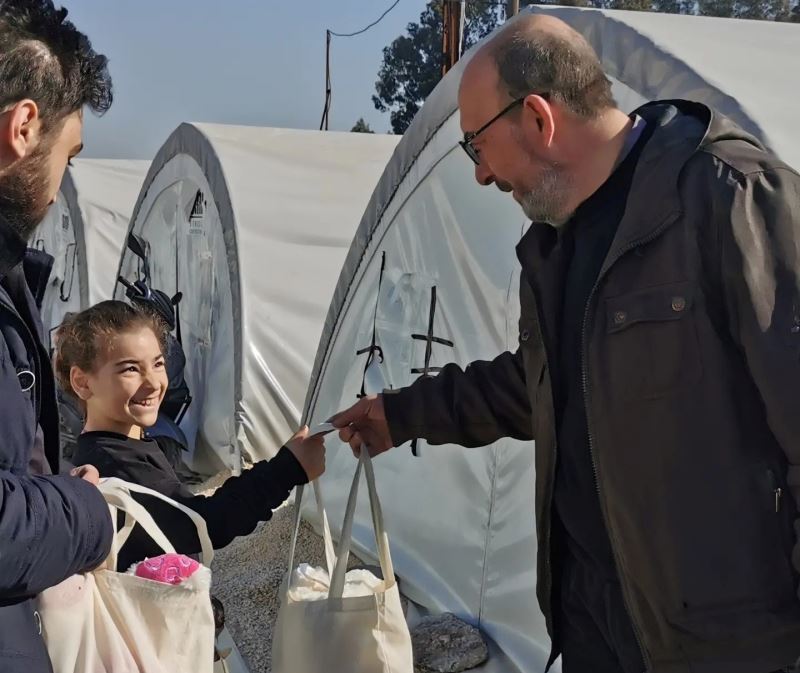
341, 633
106, 621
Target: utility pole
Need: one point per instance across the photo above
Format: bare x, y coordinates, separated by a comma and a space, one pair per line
323, 125
453, 16
512, 8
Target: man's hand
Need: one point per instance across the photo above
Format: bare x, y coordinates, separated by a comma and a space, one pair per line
365, 424
87, 473
309, 451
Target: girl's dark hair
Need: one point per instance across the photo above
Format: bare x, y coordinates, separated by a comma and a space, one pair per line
84, 336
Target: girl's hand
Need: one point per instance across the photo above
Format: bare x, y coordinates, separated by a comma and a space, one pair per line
309, 451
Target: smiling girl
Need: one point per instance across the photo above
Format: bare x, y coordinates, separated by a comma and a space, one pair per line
111, 357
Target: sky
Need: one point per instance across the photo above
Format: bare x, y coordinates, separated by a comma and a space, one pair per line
254, 62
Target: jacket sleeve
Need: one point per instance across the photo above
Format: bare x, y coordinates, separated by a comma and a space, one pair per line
474, 406
50, 528
758, 218
235, 508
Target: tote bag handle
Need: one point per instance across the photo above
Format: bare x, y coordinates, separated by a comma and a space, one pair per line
381, 538
117, 494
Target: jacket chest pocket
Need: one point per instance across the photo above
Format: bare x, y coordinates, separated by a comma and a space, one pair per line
651, 340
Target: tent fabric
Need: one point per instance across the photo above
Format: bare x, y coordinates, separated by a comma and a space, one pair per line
251, 225
106, 191
462, 521
84, 231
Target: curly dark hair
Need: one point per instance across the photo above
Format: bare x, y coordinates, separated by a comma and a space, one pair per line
45, 58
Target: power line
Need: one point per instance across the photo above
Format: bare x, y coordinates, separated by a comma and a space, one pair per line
372, 25
323, 125
330, 34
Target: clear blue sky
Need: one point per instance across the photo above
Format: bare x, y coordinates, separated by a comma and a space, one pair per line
259, 62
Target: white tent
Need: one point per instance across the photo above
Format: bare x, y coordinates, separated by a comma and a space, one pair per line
252, 226
84, 231
461, 521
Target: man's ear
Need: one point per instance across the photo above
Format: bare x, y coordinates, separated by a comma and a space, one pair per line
20, 128
79, 380
539, 109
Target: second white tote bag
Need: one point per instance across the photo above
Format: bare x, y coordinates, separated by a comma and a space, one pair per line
341, 633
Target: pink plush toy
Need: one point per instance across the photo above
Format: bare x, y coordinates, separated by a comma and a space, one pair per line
168, 569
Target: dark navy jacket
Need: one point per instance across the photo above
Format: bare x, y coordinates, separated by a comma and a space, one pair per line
51, 527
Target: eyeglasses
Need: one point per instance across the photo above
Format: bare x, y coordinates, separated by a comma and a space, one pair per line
467, 145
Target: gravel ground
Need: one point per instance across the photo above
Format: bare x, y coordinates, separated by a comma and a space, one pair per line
247, 577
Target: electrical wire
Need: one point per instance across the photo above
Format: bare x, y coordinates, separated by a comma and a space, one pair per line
323, 125
372, 25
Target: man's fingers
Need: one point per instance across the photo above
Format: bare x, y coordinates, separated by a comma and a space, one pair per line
346, 417
356, 443
87, 473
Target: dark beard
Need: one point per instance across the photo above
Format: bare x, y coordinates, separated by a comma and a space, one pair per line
23, 198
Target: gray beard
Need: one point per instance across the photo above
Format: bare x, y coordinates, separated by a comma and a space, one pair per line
547, 201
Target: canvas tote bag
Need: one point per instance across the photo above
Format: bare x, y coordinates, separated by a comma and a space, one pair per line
106, 621
342, 634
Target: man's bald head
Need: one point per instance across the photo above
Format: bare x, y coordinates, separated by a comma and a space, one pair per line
537, 53
538, 116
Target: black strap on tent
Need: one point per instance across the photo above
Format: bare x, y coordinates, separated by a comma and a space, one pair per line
429, 339
50, 348
373, 347
176, 302
71, 276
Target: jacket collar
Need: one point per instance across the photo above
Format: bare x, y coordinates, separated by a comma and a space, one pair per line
12, 247
682, 128
654, 198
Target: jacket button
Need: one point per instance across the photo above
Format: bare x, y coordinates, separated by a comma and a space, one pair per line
524, 335
678, 304
620, 317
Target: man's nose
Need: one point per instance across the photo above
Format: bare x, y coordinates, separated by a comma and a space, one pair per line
483, 175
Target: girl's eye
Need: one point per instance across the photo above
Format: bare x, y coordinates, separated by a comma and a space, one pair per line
129, 369
160, 364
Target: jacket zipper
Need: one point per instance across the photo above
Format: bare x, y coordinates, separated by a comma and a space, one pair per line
585, 380
37, 365
776, 490
549, 519
548, 579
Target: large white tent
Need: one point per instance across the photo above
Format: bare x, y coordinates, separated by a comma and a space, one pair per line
461, 521
84, 232
252, 226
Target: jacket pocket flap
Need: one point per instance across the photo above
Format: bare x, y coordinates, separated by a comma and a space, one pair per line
653, 304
